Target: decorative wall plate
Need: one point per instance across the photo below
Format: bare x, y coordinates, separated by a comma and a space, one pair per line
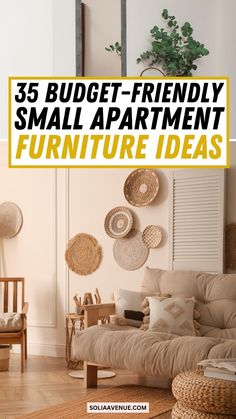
83, 254
152, 236
118, 222
131, 253
141, 187
11, 220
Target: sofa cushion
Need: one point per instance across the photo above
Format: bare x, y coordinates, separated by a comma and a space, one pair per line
172, 315
10, 322
151, 353
215, 295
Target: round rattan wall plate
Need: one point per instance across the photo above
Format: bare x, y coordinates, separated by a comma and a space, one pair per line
152, 236
131, 253
11, 220
141, 187
118, 222
83, 254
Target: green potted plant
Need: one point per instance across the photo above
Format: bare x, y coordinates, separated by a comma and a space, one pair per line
174, 50
116, 47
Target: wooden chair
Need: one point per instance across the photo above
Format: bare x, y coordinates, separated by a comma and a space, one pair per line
12, 286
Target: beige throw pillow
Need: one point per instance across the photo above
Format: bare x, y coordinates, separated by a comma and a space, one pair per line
172, 315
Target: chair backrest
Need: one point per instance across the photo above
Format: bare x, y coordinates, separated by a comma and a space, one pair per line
16, 287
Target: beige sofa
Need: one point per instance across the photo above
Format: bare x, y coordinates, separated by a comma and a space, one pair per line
162, 354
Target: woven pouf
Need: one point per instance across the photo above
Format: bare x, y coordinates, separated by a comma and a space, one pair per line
200, 394
180, 411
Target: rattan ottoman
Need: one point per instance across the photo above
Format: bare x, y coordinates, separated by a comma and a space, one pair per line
202, 397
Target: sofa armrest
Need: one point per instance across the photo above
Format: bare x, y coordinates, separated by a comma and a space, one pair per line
92, 312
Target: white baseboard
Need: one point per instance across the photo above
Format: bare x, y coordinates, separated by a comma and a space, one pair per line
44, 349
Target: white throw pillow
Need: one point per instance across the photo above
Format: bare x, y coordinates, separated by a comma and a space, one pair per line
127, 300
172, 315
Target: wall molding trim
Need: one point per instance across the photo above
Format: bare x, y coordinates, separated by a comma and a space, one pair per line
44, 349
53, 323
67, 236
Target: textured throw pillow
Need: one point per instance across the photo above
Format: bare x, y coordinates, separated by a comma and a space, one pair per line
172, 315
146, 309
129, 305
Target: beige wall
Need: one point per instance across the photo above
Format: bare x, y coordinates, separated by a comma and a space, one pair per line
37, 253
213, 24
102, 28
93, 192
39, 40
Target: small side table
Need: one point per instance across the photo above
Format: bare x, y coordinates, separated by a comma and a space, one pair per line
71, 321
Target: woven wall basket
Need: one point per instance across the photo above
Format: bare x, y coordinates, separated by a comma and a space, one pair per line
118, 222
230, 246
83, 254
141, 187
152, 236
11, 220
131, 253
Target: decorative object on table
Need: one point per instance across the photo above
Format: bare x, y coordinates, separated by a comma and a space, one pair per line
152, 236
230, 246
97, 296
78, 304
87, 299
141, 187
11, 220
118, 222
202, 397
83, 254
131, 253
174, 50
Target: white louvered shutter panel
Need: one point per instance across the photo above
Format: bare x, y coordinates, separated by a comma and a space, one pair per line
197, 219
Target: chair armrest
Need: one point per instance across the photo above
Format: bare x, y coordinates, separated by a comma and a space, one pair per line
24, 309
92, 312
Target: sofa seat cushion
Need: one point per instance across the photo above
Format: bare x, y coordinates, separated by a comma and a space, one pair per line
10, 322
149, 353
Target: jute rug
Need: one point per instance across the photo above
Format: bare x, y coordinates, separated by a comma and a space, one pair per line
160, 401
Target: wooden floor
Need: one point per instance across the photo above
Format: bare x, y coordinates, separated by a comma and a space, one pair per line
45, 383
